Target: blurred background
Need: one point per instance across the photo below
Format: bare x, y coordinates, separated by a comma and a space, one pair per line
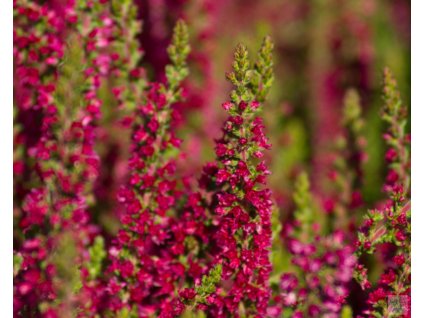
322, 48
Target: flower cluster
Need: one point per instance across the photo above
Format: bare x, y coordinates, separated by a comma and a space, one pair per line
145, 269
48, 206
388, 229
57, 155
241, 206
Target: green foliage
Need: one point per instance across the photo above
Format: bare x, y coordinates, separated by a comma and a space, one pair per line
71, 83
208, 284
67, 281
393, 107
263, 77
207, 287
125, 312
252, 83
394, 113
178, 52
241, 75
17, 263
346, 312
97, 255
352, 119
303, 201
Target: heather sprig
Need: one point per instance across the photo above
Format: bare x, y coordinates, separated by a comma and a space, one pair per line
388, 229
145, 268
41, 212
329, 65
197, 297
178, 52
55, 212
352, 117
304, 214
129, 80
97, 255
348, 163
394, 113
240, 77
262, 77
241, 207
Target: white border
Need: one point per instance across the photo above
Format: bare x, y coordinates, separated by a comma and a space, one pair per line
6, 159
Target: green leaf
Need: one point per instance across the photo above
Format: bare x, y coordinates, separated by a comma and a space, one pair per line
97, 255
346, 312
17, 263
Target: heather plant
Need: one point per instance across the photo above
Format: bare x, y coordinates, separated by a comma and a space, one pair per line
114, 114
237, 207
241, 206
55, 216
388, 229
145, 269
46, 210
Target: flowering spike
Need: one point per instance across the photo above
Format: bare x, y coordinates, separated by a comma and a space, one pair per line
394, 113
393, 107
263, 71
304, 206
198, 295
208, 282
178, 52
145, 265
352, 111
242, 206
97, 255
240, 76
389, 228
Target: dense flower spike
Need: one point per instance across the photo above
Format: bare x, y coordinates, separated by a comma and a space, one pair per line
262, 77
46, 211
113, 43
66, 159
398, 155
241, 206
389, 228
145, 269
